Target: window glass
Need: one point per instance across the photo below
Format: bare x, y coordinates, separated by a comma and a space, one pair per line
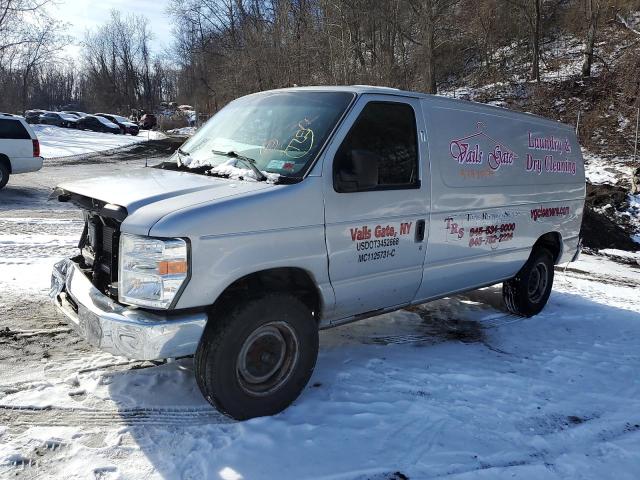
282, 132
13, 129
380, 151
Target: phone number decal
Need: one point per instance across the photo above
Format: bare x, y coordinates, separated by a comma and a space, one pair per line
491, 234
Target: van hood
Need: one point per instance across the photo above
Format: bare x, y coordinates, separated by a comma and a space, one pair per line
142, 187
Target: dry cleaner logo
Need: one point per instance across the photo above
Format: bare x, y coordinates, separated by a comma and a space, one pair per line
478, 148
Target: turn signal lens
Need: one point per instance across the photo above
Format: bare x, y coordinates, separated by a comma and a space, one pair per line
175, 267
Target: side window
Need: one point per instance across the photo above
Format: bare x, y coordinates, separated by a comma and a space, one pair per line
380, 152
13, 129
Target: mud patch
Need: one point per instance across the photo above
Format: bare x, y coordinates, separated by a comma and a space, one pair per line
451, 329
550, 424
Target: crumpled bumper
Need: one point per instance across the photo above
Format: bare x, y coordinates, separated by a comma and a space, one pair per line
126, 331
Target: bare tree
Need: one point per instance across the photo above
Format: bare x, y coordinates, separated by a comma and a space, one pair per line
593, 10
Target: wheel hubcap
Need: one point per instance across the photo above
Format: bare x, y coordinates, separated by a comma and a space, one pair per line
267, 358
538, 280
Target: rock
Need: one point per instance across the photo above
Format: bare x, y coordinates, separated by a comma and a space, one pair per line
635, 181
598, 232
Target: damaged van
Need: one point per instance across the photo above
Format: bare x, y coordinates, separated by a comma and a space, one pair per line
301, 209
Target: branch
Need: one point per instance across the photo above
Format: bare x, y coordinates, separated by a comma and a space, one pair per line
624, 22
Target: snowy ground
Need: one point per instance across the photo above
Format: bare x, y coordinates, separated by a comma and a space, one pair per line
607, 170
456, 389
58, 142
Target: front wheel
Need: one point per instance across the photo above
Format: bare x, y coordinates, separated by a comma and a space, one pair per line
257, 356
527, 293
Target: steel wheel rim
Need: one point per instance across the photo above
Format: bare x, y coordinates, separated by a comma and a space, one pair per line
267, 358
538, 280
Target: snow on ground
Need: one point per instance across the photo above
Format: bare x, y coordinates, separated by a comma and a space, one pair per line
454, 389
606, 170
187, 131
58, 142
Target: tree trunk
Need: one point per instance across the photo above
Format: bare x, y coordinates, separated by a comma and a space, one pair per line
535, 71
428, 44
594, 13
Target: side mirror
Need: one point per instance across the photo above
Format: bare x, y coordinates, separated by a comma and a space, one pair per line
355, 171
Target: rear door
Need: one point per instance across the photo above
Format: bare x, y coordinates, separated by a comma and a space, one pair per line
376, 203
15, 140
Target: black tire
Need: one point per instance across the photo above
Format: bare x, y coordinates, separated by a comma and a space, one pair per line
4, 175
273, 338
527, 293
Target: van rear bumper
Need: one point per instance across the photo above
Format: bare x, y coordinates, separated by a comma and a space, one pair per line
121, 330
26, 164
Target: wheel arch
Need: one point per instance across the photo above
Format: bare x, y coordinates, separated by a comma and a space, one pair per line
552, 241
295, 280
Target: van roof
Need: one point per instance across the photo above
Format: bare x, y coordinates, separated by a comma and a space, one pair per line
363, 89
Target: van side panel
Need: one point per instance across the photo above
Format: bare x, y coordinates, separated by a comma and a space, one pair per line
499, 181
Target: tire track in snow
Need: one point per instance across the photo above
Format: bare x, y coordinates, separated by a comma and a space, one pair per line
23, 416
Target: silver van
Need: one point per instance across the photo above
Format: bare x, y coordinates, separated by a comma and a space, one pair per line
300, 209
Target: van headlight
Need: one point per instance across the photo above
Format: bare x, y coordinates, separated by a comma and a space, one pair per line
152, 270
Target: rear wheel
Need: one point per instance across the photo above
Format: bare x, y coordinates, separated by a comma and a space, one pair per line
4, 175
255, 358
527, 293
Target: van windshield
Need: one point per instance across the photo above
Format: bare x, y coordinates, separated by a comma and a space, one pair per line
280, 132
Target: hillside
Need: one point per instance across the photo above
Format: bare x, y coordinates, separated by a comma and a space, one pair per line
602, 106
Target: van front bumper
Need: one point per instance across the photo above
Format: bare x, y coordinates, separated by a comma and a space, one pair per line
121, 330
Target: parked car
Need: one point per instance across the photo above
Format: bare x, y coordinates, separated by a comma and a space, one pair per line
76, 113
33, 116
98, 124
344, 203
19, 148
148, 121
59, 119
126, 125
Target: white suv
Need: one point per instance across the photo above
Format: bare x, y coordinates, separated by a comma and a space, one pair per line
19, 148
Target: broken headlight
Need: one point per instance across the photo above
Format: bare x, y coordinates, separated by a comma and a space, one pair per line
152, 270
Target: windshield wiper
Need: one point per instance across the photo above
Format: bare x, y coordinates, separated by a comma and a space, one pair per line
249, 162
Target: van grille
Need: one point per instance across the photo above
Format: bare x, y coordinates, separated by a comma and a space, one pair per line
100, 252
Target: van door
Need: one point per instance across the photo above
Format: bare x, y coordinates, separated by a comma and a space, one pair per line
376, 203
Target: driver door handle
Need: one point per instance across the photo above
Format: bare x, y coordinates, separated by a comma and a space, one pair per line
420, 228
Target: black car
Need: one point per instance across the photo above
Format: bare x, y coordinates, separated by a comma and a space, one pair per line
76, 113
59, 119
33, 116
98, 124
126, 125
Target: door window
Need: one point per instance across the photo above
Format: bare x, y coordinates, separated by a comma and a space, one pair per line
380, 152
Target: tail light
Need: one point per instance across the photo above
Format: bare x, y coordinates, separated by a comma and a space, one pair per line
36, 147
